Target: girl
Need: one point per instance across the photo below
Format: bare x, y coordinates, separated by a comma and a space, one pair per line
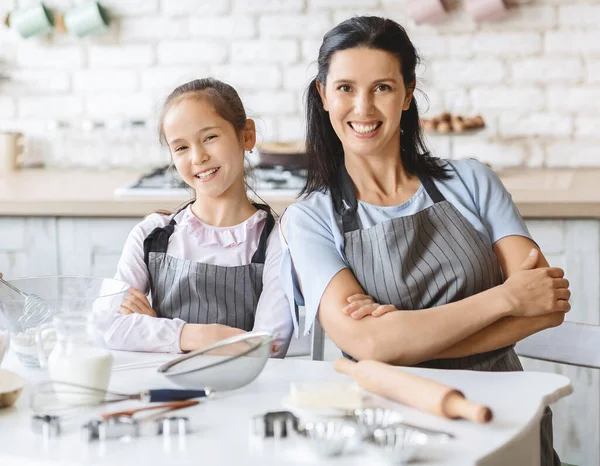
212, 268
386, 229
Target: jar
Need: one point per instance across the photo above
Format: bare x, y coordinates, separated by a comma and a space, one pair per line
77, 358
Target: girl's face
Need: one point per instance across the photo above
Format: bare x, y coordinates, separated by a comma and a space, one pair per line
365, 96
206, 150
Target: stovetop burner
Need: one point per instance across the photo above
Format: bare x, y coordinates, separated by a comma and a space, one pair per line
264, 180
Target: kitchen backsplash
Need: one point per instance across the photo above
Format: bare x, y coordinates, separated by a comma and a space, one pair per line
534, 77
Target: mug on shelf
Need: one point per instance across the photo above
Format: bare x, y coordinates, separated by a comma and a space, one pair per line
426, 11
12, 146
86, 19
31, 21
487, 10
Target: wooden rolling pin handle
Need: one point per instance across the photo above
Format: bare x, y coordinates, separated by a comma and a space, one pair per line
456, 406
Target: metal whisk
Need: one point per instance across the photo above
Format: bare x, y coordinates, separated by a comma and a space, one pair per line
35, 310
53, 398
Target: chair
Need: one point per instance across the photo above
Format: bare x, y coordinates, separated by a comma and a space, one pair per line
570, 343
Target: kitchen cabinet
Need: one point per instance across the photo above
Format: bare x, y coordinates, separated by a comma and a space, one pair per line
28, 246
91, 246
32, 246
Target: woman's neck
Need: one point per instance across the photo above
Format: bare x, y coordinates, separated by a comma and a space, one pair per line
381, 179
231, 208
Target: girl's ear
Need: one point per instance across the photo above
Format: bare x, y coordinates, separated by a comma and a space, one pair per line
249, 135
410, 91
321, 90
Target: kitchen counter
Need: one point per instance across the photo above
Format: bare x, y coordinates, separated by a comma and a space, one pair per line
538, 193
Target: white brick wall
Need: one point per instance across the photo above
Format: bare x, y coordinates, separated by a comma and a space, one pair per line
535, 76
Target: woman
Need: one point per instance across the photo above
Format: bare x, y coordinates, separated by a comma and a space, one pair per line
386, 229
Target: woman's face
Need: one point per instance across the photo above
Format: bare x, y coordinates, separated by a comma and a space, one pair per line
365, 96
206, 150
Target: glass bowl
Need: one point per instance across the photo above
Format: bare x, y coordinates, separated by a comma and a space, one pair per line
98, 298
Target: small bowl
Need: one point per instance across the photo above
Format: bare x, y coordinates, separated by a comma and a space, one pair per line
226, 365
399, 444
328, 438
11, 386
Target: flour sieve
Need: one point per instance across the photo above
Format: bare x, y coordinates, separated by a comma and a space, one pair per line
225, 365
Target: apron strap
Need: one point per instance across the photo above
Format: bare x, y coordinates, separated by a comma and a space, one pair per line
158, 239
345, 202
261, 252
434, 193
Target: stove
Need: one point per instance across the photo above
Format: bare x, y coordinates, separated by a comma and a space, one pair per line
265, 181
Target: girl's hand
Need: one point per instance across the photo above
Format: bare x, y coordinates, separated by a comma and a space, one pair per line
136, 302
534, 292
362, 305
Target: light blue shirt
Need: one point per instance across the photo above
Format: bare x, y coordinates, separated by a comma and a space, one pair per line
313, 231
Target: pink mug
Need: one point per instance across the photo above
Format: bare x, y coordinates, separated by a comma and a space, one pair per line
426, 11
487, 10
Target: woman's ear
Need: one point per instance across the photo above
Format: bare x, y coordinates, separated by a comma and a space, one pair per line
321, 91
410, 91
249, 135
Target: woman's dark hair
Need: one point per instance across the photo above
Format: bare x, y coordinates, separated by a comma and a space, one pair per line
223, 98
323, 147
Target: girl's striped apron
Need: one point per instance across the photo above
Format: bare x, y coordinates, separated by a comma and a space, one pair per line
202, 293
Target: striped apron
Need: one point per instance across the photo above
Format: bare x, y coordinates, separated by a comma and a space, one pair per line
428, 259
200, 293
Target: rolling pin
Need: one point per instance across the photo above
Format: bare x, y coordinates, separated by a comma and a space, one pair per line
412, 390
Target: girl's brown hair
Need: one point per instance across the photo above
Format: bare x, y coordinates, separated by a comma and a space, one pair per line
223, 98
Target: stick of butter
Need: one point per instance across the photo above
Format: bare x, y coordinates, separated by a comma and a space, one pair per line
343, 395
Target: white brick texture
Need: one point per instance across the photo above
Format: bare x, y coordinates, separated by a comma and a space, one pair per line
91, 81
120, 56
7, 107
547, 70
190, 52
533, 76
223, 27
284, 51
314, 25
194, 7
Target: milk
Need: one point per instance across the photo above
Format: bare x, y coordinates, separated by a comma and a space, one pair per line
86, 365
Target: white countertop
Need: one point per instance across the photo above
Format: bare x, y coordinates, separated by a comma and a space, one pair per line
538, 193
220, 426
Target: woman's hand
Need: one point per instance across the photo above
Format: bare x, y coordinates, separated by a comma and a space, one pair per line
534, 292
362, 305
136, 302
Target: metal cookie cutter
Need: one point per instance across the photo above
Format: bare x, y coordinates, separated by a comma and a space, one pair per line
179, 425
278, 424
111, 428
48, 426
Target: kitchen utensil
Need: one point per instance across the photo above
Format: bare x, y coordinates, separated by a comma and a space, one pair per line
370, 419
32, 20
283, 154
164, 406
86, 19
225, 365
93, 297
52, 397
119, 425
11, 386
48, 426
399, 444
421, 393
12, 148
328, 438
179, 425
34, 310
278, 424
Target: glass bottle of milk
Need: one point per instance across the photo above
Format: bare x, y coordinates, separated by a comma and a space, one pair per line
77, 357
